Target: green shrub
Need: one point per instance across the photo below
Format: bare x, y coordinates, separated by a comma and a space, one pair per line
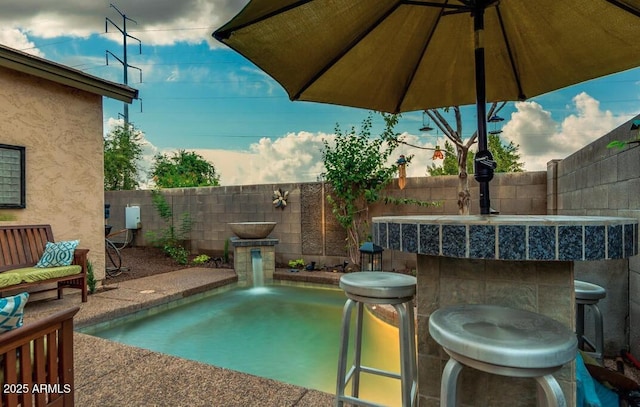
177, 253
201, 259
225, 253
91, 278
299, 263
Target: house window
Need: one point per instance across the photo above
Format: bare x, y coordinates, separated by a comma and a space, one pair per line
12, 176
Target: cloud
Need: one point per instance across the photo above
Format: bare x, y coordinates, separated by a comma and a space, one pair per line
15, 38
542, 139
159, 22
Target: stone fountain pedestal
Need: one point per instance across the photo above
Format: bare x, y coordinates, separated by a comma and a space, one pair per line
243, 250
252, 243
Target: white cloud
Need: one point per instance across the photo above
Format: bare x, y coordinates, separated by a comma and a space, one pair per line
542, 139
159, 22
17, 39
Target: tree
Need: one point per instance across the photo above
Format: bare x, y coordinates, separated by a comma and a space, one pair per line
122, 151
461, 146
357, 170
506, 156
183, 169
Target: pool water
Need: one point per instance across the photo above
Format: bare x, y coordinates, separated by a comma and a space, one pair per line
290, 334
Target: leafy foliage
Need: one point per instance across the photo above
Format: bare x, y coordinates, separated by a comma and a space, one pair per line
201, 259
170, 237
91, 278
183, 169
506, 156
122, 151
357, 170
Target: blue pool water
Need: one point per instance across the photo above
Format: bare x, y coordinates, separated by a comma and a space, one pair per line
290, 334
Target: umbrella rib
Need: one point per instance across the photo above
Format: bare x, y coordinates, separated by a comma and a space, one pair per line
415, 69
625, 7
221, 35
344, 51
514, 69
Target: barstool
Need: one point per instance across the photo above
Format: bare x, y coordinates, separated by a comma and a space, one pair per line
377, 287
502, 341
589, 294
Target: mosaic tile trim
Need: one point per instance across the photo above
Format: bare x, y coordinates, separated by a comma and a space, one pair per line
510, 241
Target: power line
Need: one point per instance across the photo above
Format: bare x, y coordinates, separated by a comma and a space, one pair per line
123, 61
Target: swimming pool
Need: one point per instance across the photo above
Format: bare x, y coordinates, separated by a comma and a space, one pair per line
287, 333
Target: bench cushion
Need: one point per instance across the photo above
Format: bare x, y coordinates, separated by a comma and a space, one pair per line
35, 274
9, 278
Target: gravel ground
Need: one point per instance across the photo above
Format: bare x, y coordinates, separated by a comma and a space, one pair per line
140, 262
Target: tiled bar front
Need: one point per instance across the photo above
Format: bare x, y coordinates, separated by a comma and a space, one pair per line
517, 261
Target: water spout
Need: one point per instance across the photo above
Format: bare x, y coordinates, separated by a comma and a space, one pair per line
256, 266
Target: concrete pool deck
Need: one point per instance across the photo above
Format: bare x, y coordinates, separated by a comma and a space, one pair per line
112, 374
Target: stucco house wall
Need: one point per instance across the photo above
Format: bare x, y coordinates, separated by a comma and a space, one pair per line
61, 127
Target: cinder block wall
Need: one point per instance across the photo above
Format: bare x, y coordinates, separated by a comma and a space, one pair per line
600, 181
307, 228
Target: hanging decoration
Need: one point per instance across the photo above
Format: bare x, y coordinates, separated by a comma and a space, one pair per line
437, 154
280, 198
495, 119
402, 171
426, 126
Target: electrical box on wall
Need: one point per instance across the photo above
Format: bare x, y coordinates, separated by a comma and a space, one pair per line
132, 217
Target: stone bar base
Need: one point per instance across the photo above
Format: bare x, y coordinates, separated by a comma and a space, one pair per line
542, 287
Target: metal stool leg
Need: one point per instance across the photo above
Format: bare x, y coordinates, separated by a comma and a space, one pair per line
449, 383
413, 349
597, 315
552, 391
408, 365
344, 350
580, 325
357, 361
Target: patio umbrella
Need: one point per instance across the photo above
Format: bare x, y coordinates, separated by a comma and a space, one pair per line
405, 55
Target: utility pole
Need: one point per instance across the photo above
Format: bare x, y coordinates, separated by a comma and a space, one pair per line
123, 61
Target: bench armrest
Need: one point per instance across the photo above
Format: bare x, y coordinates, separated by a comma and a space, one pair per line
80, 258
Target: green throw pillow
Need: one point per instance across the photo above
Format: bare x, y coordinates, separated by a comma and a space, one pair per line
58, 254
11, 311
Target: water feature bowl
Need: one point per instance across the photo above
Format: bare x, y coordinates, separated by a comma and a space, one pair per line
252, 230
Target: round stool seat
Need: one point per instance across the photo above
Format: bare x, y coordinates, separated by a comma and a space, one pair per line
379, 284
588, 291
503, 336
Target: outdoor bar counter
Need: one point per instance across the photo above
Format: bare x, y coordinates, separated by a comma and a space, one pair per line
522, 262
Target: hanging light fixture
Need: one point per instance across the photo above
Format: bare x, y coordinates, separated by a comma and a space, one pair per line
495, 119
425, 126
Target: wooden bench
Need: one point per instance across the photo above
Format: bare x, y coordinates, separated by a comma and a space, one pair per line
36, 362
22, 246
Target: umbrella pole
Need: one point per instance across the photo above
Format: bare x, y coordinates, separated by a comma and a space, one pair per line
484, 164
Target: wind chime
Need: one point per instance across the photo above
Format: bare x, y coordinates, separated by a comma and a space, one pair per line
402, 171
437, 152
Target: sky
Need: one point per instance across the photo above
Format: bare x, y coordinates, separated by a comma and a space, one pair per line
198, 95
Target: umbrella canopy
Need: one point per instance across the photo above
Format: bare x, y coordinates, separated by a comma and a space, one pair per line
405, 55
